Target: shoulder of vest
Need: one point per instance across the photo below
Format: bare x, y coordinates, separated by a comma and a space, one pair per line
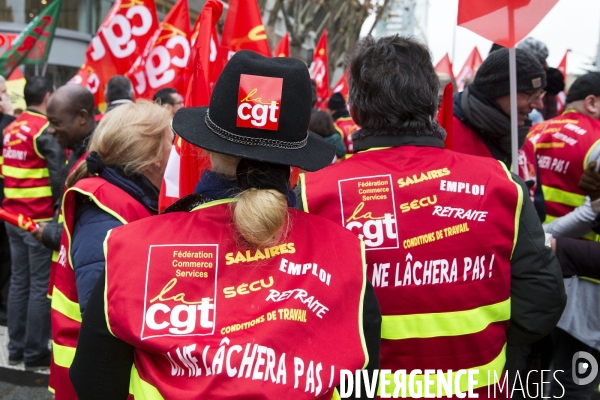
188, 203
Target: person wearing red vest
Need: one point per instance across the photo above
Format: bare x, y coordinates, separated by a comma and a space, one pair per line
237, 295
336, 106
565, 146
33, 162
71, 122
115, 185
481, 124
455, 250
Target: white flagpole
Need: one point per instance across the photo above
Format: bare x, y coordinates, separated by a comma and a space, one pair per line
514, 142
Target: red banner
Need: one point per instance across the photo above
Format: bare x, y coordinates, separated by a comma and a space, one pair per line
468, 70
283, 48
444, 67
320, 70
505, 22
205, 42
126, 30
342, 86
243, 29
163, 62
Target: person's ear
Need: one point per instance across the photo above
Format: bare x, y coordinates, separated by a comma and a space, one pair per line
591, 104
83, 117
354, 115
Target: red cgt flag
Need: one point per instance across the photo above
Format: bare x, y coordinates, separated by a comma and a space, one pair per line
163, 62
342, 86
212, 56
444, 67
243, 29
468, 70
320, 70
283, 48
505, 22
124, 33
562, 67
187, 162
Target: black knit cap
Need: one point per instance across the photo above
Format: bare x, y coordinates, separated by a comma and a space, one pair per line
336, 102
584, 86
493, 77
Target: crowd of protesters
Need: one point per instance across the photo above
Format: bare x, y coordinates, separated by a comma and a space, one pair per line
461, 264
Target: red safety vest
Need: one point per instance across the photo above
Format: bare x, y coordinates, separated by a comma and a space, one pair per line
61, 219
346, 127
212, 319
563, 146
65, 313
439, 236
466, 140
27, 187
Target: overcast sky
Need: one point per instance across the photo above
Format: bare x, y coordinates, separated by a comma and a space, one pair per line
571, 24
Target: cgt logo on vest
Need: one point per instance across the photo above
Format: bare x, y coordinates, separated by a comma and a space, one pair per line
259, 102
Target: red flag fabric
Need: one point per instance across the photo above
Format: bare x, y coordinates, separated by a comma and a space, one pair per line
468, 70
320, 70
342, 86
444, 67
561, 98
446, 113
562, 67
18, 220
212, 56
163, 62
126, 30
187, 162
505, 22
243, 29
283, 48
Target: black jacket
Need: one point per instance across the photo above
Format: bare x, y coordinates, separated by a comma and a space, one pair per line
537, 290
53, 230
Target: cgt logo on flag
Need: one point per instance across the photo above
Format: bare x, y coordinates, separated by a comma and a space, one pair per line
259, 102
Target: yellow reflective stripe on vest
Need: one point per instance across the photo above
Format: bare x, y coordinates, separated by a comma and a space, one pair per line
141, 389
336, 395
27, 193
518, 208
485, 375
54, 256
25, 173
63, 305
562, 196
213, 203
585, 278
63, 355
456, 323
302, 183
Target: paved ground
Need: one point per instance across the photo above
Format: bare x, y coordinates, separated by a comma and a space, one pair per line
15, 383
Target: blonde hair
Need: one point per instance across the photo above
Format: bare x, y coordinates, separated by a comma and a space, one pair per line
131, 135
259, 216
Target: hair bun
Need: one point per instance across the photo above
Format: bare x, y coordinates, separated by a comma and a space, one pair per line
263, 175
94, 163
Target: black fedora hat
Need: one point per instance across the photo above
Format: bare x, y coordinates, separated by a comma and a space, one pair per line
260, 110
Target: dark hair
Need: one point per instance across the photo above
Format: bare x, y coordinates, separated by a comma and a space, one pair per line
36, 89
393, 88
163, 96
321, 123
313, 88
118, 88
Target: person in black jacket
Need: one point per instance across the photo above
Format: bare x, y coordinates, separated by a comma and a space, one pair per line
71, 118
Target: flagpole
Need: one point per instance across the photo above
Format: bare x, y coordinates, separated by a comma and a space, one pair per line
512, 61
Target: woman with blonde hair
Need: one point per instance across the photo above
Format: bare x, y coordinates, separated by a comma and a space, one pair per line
236, 295
116, 184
